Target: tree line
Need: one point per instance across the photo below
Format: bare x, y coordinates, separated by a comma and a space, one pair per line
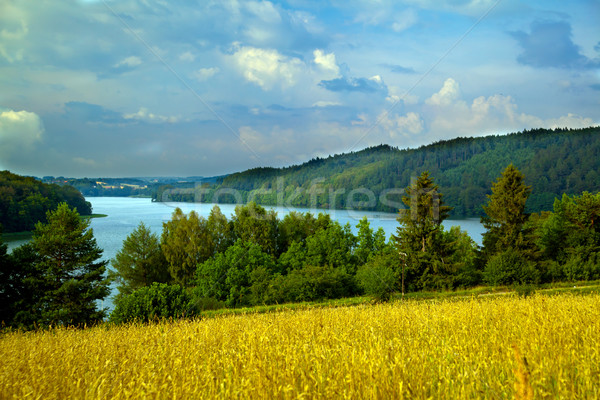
255, 258
554, 161
25, 200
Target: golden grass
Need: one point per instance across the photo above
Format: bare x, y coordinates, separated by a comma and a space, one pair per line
540, 347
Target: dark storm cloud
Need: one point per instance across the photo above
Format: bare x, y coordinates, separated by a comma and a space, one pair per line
549, 44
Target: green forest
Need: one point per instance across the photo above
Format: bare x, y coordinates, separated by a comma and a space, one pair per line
255, 258
24, 201
553, 161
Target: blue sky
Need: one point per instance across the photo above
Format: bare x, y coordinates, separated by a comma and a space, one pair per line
151, 87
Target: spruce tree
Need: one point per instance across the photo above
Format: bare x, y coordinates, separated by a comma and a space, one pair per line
505, 212
509, 250
70, 268
419, 238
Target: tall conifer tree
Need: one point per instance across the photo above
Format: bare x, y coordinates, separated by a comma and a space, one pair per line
419, 237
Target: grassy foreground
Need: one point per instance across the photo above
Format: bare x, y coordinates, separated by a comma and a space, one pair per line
504, 347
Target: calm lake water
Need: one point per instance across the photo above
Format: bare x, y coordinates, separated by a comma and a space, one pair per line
124, 215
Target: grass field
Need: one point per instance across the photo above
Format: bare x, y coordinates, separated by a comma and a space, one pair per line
540, 346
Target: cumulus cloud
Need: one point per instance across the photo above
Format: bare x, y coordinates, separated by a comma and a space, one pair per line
401, 125
187, 56
144, 115
204, 74
494, 114
267, 67
326, 61
19, 132
130, 62
447, 94
549, 44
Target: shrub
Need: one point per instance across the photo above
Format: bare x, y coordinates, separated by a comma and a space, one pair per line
378, 278
318, 282
510, 267
153, 302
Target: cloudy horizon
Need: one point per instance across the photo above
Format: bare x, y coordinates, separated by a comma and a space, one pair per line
150, 88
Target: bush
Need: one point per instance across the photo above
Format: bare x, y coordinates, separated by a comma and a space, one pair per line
153, 302
378, 278
318, 282
510, 267
581, 268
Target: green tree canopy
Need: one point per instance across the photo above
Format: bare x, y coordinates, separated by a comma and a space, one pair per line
508, 237
505, 211
70, 269
419, 239
186, 242
140, 262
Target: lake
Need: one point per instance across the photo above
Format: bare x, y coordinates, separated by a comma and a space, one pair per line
125, 213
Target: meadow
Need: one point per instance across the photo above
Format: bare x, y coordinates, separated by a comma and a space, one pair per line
541, 346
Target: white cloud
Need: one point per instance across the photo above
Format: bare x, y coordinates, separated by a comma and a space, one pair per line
131, 61
187, 56
404, 20
267, 68
467, 7
447, 94
326, 61
395, 94
204, 74
19, 132
323, 103
9, 48
570, 121
498, 113
144, 115
405, 125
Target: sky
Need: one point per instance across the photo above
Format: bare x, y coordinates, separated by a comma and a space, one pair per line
120, 88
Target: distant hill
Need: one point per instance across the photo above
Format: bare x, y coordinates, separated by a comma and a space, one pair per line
25, 200
126, 187
553, 161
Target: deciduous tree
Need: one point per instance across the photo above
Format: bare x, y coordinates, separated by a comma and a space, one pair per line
140, 262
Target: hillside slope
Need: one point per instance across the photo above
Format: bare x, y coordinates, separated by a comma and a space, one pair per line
553, 161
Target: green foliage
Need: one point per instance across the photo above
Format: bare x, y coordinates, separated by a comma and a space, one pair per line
419, 238
368, 244
554, 161
509, 242
140, 262
58, 278
228, 276
186, 242
20, 281
9, 290
312, 283
153, 302
569, 237
510, 267
332, 246
253, 224
24, 201
505, 212
379, 277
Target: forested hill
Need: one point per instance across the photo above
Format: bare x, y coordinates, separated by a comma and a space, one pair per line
553, 162
25, 201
